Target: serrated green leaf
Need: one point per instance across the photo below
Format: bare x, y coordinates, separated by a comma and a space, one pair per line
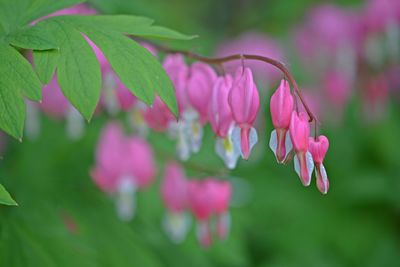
118, 23
12, 110
45, 64
137, 68
127, 24
78, 70
40, 8
16, 71
35, 38
160, 32
5, 197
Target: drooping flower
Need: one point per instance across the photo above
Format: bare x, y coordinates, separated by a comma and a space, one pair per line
174, 194
201, 203
281, 107
199, 88
158, 117
318, 148
221, 191
221, 121
123, 165
244, 102
299, 134
193, 87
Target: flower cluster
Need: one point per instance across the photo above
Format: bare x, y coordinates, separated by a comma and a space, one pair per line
207, 199
292, 134
228, 101
347, 49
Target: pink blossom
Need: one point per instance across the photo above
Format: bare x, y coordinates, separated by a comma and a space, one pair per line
158, 117
253, 43
54, 102
244, 102
174, 188
123, 165
337, 87
221, 192
299, 133
220, 115
318, 149
178, 72
281, 107
199, 88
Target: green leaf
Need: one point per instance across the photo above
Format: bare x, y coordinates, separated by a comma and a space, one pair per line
137, 68
131, 25
35, 37
45, 64
160, 32
5, 197
12, 110
121, 54
41, 8
118, 23
78, 70
17, 72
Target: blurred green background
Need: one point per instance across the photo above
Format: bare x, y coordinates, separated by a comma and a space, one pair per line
63, 219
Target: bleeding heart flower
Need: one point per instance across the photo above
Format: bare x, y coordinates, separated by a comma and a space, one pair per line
318, 148
221, 121
201, 203
299, 133
123, 165
199, 88
244, 102
174, 193
281, 107
221, 193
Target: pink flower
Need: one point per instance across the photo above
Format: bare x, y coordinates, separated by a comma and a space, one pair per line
199, 88
54, 102
338, 88
158, 117
201, 203
174, 194
318, 149
281, 107
299, 133
178, 72
123, 165
253, 43
174, 188
221, 121
220, 115
221, 192
244, 102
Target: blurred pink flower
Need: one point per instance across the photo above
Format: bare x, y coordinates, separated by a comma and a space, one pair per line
123, 165
253, 43
174, 194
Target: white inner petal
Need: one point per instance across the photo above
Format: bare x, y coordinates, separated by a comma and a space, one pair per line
110, 98
176, 226
310, 164
226, 150
75, 123
273, 142
125, 199
288, 144
297, 165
